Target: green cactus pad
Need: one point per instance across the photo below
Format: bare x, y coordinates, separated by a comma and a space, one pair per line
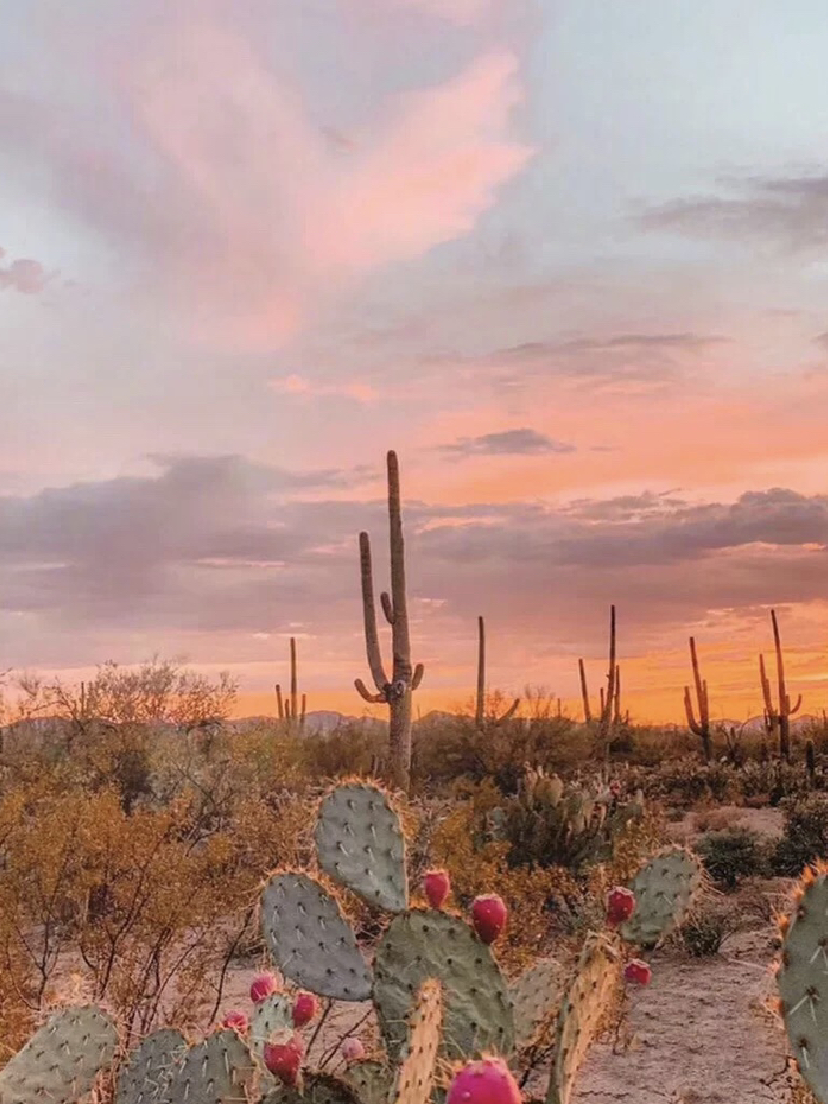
803, 984
371, 1080
62, 1060
536, 995
360, 843
310, 940
423, 944
664, 890
597, 974
148, 1074
272, 1017
218, 1071
317, 1088
415, 1074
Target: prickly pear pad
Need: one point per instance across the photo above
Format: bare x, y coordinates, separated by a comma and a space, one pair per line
597, 974
664, 890
148, 1074
218, 1071
62, 1060
360, 843
415, 1074
317, 1088
271, 1017
803, 983
311, 941
371, 1081
536, 995
423, 944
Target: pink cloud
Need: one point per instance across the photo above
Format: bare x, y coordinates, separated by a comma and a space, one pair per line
24, 275
298, 385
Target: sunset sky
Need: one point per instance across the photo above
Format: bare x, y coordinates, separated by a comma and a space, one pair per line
568, 258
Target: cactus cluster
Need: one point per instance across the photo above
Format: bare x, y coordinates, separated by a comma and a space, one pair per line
436, 987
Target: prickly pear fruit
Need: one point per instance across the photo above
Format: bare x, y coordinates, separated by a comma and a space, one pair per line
262, 987
620, 905
284, 1059
488, 916
352, 1049
638, 971
487, 1081
237, 1020
437, 887
304, 1008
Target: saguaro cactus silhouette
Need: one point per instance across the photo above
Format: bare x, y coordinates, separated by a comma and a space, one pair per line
288, 710
396, 691
701, 727
778, 719
480, 699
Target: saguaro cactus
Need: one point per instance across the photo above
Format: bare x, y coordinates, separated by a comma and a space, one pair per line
608, 701
584, 692
778, 719
396, 691
480, 699
701, 727
289, 709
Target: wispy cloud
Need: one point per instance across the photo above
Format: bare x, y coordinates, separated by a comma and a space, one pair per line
304, 388
24, 275
507, 442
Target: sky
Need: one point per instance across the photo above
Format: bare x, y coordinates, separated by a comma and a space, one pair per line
569, 259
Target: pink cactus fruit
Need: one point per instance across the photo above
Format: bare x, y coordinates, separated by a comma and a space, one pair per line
284, 1059
262, 987
352, 1049
620, 905
437, 887
638, 972
304, 1008
237, 1020
489, 916
487, 1081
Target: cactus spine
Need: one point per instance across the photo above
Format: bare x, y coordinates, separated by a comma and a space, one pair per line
700, 727
289, 709
396, 692
480, 699
778, 719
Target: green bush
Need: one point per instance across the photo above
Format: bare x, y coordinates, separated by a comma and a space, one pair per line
805, 838
704, 932
733, 854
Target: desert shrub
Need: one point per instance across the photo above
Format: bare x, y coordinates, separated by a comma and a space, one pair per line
349, 749
733, 854
687, 782
704, 931
805, 836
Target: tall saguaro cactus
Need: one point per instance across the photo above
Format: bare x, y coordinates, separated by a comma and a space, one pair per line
608, 702
481, 681
289, 709
584, 693
701, 727
778, 719
396, 691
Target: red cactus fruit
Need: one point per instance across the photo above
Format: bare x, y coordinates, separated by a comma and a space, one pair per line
284, 1059
437, 887
487, 1081
620, 905
638, 971
304, 1008
236, 1020
489, 916
262, 987
352, 1049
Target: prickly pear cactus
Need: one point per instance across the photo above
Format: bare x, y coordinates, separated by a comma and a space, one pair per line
218, 1071
803, 981
597, 974
371, 1080
536, 995
317, 1088
360, 843
149, 1071
311, 941
423, 944
272, 1017
415, 1074
664, 890
61, 1061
